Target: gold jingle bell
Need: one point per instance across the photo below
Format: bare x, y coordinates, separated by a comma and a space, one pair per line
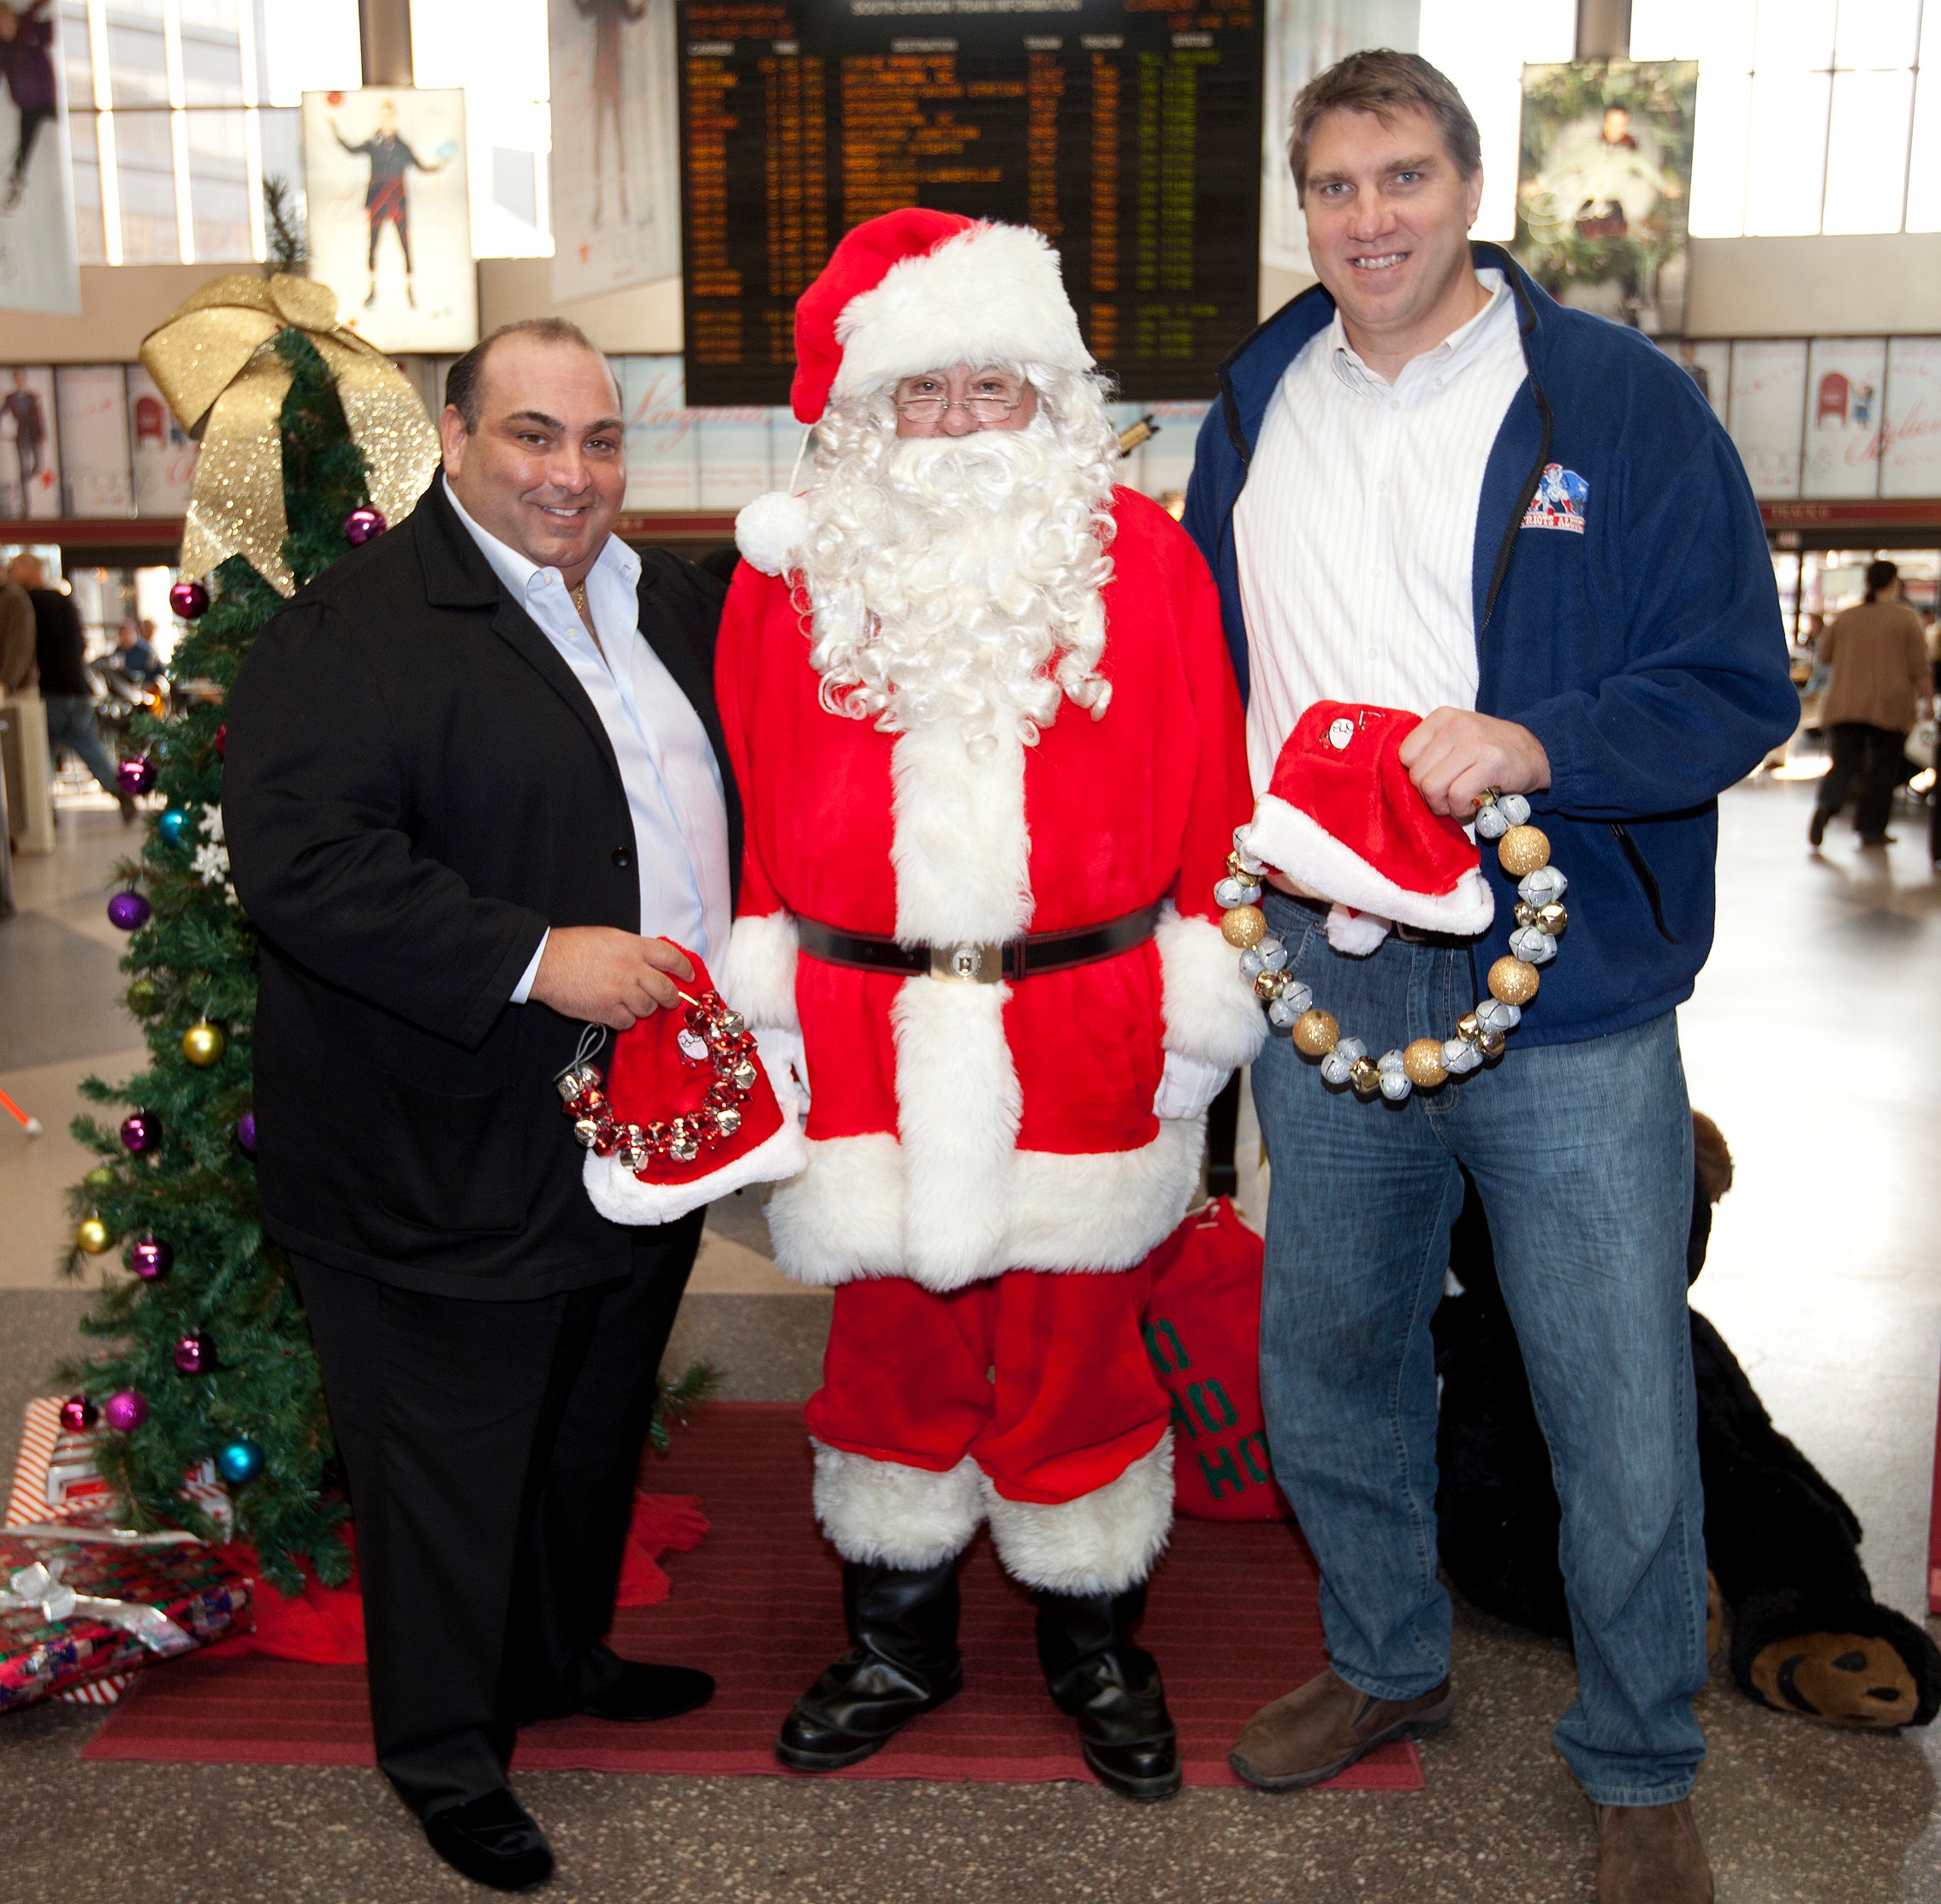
1315, 1033
1552, 919
1244, 927
1490, 1044
1423, 1065
1522, 850
91, 1235
1469, 1028
203, 1044
1512, 981
1365, 1075
1269, 986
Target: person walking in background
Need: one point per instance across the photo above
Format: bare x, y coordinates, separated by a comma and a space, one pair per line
61, 655
1877, 657
19, 668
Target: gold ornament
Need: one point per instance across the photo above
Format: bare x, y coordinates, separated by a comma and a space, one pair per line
1237, 868
1244, 926
1423, 1065
203, 1044
1522, 850
1512, 981
1490, 1044
1269, 986
216, 363
1552, 919
1365, 1075
1315, 1033
91, 1235
1469, 1028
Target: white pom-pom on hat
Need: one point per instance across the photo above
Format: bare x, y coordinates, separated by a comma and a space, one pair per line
771, 530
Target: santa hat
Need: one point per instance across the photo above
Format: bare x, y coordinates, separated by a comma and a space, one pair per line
913, 291
689, 1112
1342, 817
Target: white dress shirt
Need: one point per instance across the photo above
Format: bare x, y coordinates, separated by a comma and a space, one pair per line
1356, 533
666, 764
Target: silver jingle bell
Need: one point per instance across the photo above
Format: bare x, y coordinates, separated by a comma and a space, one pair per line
1496, 1016
1389, 1061
1247, 859
1273, 954
1298, 996
575, 1080
1490, 822
1514, 808
728, 1119
1533, 946
1459, 1056
585, 1131
743, 1076
1541, 887
1282, 1013
1230, 892
1251, 963
633, 1147
1395, 1086
1339, 1062
681, 1145
731, 1024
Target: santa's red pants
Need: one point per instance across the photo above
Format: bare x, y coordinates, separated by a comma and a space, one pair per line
1042, 1380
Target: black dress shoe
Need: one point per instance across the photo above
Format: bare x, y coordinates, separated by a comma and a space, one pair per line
645, 1692
1816, 827
1111, 1687
494, 1841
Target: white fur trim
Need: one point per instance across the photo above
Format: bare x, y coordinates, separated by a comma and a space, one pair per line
960, 849
886, 1514
991, 294
1211, 1012
772, 530
758, 977
1357, 934
1101, 1543
1290, 839
843, 1217
619, 1197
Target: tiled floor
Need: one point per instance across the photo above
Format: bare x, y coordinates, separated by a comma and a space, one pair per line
1813, 1041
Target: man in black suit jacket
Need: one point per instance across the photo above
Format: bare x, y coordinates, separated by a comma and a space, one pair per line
473, 771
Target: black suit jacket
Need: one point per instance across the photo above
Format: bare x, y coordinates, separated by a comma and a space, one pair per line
415, 788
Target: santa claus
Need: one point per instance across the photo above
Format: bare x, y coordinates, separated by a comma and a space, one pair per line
990, 750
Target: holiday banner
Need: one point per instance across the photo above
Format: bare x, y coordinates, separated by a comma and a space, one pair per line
733, 455
390, 214
1910, 457
30, 457
90, 403
1603, 184
161, 452
616, 162
1768, 412
1709, 365
662, 466
38, 268
1847, 389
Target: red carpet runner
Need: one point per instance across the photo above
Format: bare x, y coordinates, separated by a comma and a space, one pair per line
1233, 1620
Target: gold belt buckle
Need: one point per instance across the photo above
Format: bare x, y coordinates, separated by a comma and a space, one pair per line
968, 964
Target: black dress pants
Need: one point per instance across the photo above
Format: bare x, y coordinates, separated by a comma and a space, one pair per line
1877, 758
490, 1450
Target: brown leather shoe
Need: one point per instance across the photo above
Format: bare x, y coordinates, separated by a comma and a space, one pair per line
1323, 1727
1651, 1854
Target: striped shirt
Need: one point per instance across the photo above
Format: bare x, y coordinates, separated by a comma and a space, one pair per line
1357, 530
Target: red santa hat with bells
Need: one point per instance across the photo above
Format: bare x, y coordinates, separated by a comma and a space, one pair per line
689, 1112
913, 291
1342, 817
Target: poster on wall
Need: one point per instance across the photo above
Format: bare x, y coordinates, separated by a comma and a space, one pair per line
1603, 184
91, 405
37, 270
616, 157
662, 466
1910, 456
1846, 397
161, 453
1768, 410
390, 214
1304, 38
30, 458
1709, 365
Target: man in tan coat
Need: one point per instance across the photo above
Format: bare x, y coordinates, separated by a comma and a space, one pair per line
19, 670
1878, 657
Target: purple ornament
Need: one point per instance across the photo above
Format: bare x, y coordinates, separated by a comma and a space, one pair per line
126, 1409
128, 911
136, 774
140, 1132
188, 599
150, 1258
363, 525
245, 1133
195, 1354
79, 1415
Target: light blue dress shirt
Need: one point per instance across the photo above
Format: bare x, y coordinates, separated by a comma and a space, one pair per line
666, 764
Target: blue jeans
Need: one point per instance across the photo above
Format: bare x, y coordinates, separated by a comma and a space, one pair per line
1583, 1154
70, 724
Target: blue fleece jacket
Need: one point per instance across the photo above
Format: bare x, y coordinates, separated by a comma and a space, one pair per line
1645, 652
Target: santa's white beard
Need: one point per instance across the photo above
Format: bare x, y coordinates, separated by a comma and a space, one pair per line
957, 579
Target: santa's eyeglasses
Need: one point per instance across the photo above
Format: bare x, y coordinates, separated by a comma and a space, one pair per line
928, 399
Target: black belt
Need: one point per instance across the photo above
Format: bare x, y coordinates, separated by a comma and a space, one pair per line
1409, 935
974, 964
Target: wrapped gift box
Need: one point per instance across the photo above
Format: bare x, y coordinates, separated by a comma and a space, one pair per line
73, 1611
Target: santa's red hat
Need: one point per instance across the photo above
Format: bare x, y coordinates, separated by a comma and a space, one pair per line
914, 290
689, 1112
1342, 817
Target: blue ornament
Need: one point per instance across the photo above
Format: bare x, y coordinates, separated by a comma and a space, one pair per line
240, 1460
176, 826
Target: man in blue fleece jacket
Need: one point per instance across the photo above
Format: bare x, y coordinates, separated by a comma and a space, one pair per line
1428, 486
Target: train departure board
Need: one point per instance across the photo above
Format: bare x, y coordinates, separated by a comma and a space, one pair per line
1128, 134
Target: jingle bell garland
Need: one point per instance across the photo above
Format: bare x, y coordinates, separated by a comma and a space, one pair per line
1522, 852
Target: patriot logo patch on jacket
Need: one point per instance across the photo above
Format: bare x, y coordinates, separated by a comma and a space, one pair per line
1559, 500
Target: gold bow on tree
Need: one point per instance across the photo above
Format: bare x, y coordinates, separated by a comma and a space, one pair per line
215, 361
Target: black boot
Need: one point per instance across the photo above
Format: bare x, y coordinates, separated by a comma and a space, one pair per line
905, 1661
1111, 1687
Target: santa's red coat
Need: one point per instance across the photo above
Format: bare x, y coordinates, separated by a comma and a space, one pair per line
957, 1130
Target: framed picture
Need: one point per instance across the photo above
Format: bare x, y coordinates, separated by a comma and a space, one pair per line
1768, 410
30, 455
1847, 396
161, 453
662, 466
37, 270
91, 404
1910, 456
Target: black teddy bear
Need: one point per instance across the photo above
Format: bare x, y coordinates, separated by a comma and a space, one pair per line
1781, 1546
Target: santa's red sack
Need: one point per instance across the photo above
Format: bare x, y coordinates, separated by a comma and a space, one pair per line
1203, 1333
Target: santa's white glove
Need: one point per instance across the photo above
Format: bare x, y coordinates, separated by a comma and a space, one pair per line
1188, 1086
788, 1065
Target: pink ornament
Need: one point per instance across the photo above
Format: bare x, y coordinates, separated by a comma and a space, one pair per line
150, 1258
223, 741
125, 1410
79, 1415
140, 1132
363, 524
136, 774
195, 1354
188, 599
128, 911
